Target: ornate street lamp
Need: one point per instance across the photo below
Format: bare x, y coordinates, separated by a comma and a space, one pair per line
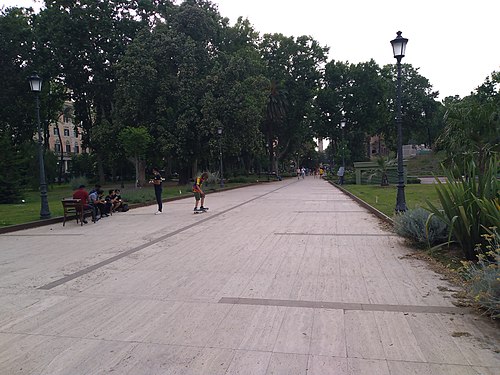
399, 50
219, 131
342, 126
36, 87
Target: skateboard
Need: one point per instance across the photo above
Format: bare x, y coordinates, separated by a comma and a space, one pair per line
200, 212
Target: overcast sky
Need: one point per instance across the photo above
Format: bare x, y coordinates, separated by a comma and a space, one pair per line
453, 43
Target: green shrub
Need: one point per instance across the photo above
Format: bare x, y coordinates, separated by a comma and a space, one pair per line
483, 277
468, 202
242, 179
412, 180
416, 226
76, 182
139, 195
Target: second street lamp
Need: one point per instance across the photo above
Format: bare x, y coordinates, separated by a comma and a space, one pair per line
399, 50
219, 131
36, 87
341, 175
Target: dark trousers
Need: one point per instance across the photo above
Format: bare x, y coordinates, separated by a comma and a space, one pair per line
158, 198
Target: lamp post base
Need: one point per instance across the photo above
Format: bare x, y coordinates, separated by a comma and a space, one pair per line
400, 200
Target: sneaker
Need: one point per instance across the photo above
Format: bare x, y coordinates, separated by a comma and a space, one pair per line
203, 208
158, 213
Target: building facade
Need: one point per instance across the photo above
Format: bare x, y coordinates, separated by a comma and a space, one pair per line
65, 136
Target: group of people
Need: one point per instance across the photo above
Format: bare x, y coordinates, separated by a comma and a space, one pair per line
197, 189
303, 172
100, 204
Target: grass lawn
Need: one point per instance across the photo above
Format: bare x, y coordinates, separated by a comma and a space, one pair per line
384, 198
12, 214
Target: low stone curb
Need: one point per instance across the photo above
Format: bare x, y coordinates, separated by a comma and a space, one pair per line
362, 203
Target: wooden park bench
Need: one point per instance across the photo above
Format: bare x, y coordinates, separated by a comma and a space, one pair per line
75, 208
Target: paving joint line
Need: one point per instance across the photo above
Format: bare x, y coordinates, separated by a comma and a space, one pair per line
335, 234
348, 306
105, 262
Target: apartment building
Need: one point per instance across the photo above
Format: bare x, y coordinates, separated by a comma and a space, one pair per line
66, 137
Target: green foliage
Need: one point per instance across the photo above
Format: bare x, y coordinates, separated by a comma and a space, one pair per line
383, 164
426, 164
415, 225
76, 182
17, 109
472, 130
10, 179
135, 141
83, 165
483, 276
464, 204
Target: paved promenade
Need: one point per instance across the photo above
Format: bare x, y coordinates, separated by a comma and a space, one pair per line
289, 277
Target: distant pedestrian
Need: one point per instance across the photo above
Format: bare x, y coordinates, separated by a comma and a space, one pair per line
298, 173
340, 174
321, 172
157, 181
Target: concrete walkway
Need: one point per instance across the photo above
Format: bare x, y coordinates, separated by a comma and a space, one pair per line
287, 278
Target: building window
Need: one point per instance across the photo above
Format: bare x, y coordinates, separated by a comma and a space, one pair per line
68, 149
75, 132
57, 147
67, 115
56, 130
66, 132
77, 149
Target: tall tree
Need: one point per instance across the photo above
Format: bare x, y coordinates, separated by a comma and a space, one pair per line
16, 42
81, 41
295, 68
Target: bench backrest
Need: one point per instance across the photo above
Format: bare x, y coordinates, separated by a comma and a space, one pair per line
72, 203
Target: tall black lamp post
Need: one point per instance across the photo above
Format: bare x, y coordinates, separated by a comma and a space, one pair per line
36, 87
342, 171
399, 49
219, 131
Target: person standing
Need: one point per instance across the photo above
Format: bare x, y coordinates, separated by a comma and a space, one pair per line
157, 181
340, 174
198, 193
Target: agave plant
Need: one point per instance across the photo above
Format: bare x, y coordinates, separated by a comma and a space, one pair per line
468, 204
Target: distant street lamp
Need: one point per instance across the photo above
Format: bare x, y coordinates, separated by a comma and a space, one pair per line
219, 131
399, 49
341, 174
36, 87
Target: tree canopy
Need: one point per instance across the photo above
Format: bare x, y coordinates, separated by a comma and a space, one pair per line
181, 71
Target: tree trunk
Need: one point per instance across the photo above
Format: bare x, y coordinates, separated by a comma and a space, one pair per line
136, 164
100, 169
142, 171
183, 176
385, 180
194, 168
61, 155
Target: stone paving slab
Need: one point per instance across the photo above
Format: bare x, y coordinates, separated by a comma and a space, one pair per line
289, 277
